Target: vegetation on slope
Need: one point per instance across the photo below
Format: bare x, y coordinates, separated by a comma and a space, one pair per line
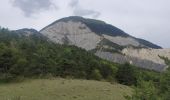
152, 85
148, 44
33, 55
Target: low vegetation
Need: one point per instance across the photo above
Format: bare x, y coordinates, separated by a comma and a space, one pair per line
63, 89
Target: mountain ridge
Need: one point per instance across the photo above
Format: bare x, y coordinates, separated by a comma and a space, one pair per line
101, 27
89, 21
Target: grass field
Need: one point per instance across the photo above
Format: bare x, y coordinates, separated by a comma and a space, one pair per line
63, 89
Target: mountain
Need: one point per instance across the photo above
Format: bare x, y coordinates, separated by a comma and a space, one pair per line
104, 40
77, 30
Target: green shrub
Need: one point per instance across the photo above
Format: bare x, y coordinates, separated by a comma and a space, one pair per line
126, 74
96, 75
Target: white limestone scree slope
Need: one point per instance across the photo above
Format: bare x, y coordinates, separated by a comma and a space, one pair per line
77, 33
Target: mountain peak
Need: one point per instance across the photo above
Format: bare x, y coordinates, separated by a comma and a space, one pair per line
80, 19
96, 26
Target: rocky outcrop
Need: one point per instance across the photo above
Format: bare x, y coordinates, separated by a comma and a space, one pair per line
73, 33
148, 54
88, 33
122, 41
77, 33
142, 63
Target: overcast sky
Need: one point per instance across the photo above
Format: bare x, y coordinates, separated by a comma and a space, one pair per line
147, 19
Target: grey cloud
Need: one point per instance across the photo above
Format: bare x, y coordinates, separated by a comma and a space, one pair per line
30, 7
80, 11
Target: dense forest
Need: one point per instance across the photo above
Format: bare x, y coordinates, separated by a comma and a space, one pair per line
34, 55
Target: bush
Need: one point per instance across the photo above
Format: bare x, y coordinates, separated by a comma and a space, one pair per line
126, 74
96, 75
6, 77
144, 91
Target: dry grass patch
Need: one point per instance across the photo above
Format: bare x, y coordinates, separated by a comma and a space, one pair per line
63, 89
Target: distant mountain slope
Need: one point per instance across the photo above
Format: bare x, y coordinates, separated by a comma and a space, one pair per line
27, 32
148, 44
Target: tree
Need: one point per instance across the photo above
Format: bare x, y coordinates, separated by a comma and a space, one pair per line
165, 85
6, 60
19, 67
96, 75
126, 74
144, 91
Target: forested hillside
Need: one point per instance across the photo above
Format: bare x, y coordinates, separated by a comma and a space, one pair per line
28, 55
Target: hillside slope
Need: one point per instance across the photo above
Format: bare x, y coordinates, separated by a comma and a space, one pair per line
63, 89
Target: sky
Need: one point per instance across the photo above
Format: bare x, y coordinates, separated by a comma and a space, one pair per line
147, 19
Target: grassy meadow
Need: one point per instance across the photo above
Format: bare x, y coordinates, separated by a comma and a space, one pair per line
63, 89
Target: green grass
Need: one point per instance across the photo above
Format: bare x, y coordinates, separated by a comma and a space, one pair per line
63, 89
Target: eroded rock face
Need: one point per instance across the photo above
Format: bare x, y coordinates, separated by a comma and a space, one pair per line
73, 33
148, 54
77, 33
142, 63
123, 41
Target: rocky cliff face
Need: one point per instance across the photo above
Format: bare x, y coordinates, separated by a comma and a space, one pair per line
137, 61
153, 55
106, 41
77, 33
88, 33
72, 33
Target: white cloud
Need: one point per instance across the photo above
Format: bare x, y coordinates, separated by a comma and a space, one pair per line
30, 7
